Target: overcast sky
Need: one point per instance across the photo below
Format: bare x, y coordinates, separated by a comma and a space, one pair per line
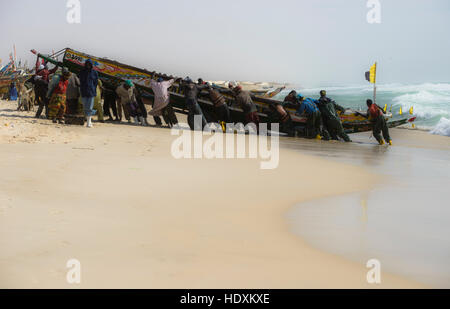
311, 43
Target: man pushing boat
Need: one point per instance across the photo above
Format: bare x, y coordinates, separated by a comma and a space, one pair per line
375, 114
309, 107
191, 92
220, 105
330, 117
41, 80
244, 100
161, 102
128, 97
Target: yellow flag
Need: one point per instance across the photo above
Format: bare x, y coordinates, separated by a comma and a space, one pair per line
371, 76
411, 110
373, 73
385, 108
401, 111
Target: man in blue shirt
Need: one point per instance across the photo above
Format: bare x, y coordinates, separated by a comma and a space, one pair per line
309, 108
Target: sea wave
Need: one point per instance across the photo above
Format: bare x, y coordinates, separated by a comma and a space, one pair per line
395, 87
442, 128
427, 105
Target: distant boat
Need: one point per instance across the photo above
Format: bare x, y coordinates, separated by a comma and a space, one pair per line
5, 81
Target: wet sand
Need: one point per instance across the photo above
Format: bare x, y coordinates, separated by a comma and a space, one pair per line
403, 221
114, 198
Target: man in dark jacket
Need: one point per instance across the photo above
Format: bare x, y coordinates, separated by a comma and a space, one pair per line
109, 103
331, 119
40, 91
244, 101
41, 80
279, 115
191, 92
88, 88
291, 100
74, 112
220, 105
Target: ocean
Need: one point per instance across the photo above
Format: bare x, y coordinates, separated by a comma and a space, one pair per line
431, 101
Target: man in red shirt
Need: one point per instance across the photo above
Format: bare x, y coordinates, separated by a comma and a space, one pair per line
376, 117
43, 71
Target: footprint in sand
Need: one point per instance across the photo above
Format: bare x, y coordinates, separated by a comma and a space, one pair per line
56, 212
146, 152
57, 272
61, 221
5, 208
65, 243
41, 253
34, 281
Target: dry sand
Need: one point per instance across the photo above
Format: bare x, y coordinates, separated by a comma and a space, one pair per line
115, 199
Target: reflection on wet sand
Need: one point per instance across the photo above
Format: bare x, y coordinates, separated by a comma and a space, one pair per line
403, 221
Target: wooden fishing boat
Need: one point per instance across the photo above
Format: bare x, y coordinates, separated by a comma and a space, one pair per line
5, 82
112, 73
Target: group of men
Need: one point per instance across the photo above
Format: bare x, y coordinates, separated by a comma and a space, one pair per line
192, 92
63, 94
324, 122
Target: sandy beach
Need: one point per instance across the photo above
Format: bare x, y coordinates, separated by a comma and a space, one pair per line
114, 198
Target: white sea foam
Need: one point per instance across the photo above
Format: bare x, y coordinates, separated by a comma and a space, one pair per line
427, 105
399, 88
442, 128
